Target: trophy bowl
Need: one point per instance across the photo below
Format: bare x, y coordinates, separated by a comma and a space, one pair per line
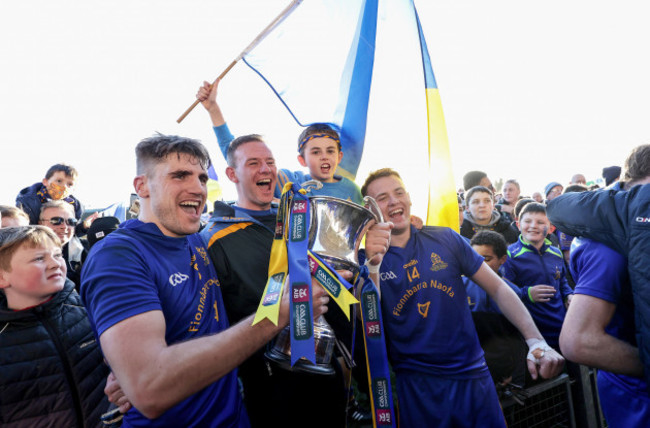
336, 230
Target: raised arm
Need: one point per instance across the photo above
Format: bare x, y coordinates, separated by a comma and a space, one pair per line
207, 94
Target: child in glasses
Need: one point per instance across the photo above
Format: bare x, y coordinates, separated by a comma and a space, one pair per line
51, 368
59, 216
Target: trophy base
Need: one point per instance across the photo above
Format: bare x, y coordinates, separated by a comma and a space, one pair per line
301, 365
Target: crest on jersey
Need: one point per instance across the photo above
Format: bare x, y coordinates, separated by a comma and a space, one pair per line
437, 263
423, 309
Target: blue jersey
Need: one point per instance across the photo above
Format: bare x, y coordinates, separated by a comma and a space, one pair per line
526, 266
478, 299
428, 323
602, 273
137, 269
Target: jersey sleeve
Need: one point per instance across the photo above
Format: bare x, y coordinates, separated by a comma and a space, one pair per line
116, 285
598, 271
469, 260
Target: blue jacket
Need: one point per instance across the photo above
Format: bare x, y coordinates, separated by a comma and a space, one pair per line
526, 266
29, 201
620, 220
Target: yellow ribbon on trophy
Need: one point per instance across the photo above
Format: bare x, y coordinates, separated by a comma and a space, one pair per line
329, 279
269, 306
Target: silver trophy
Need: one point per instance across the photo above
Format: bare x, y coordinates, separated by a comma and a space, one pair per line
336, 230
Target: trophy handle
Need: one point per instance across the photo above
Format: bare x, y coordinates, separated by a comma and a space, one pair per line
374, 208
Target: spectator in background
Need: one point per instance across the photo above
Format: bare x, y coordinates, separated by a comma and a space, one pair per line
476, 178
538, 268
505, 350
511, 192
51, 369
12, 216
611, 174
537, 197
57, 185
59, 216
578, 179
552, 190
101, 228
481, 215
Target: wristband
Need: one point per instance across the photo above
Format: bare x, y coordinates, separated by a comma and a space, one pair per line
372, 268
530, 295
536, 349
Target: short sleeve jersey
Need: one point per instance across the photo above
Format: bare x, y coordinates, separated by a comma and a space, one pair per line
428, 323
137, 269
602, 272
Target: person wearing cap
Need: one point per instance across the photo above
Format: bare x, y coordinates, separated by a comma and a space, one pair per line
319, 147
552, 190
611, 174
100, 228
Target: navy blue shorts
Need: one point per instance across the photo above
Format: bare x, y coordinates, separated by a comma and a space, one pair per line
426, 400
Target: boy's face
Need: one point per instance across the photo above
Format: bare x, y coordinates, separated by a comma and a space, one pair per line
36, 273
490, 258
321, 157
534, 227
65, 229
13, 221
393, 200
481, 206
59, 186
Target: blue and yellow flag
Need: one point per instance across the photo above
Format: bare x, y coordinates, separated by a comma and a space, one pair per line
339, 37
333, 35
442, 209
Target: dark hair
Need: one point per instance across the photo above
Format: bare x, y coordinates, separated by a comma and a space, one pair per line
318, 128
70, 171
477, 189
575, 188
493, 239
374, 175
533, 207
637, 164
472, 179
234, 145
154, 150
521, 203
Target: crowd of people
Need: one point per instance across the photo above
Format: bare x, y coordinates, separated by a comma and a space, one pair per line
146, 319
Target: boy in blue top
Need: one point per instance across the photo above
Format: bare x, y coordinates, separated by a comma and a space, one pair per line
505, 350
442, 377
492, 246
319, 148
538, 268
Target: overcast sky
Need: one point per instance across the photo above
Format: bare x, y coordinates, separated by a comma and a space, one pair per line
533, 91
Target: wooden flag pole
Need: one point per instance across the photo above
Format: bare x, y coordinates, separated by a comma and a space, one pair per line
281, 17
